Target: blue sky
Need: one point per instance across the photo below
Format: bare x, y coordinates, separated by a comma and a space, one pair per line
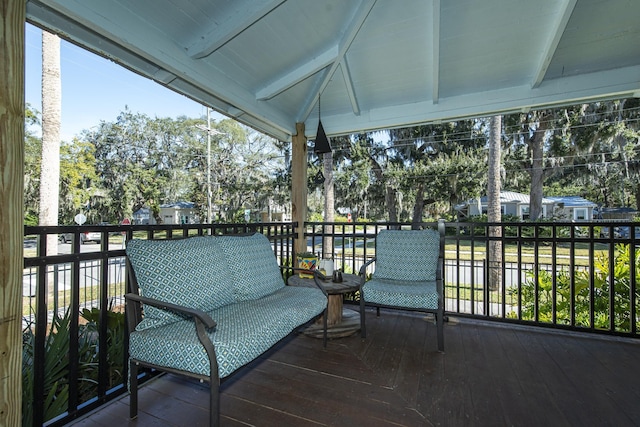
95, 89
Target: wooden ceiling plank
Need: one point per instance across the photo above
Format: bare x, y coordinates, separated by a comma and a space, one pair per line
245, 15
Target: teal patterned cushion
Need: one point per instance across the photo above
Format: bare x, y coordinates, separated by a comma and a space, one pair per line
252, 264
191, 272
399, 293
243, 332
407, 254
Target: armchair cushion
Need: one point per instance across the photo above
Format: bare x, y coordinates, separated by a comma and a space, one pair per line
165, 271
407, 255
401, 293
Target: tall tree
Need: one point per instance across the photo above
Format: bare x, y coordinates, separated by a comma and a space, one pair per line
32, 162
494, 210
355, 182
586, 149
78, 179
329, 202
537, 166
423, 150
140, 162
362, 176
51, 116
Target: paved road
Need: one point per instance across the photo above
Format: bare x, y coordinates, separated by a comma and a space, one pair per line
90, 271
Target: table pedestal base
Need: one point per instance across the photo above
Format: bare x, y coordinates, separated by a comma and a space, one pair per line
349, 325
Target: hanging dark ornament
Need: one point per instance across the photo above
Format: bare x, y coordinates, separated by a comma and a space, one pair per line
319, 178
322, 144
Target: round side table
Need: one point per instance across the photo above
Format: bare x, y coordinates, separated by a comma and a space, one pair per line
341, 322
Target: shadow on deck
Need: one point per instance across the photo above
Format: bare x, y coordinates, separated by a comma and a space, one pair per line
490, 375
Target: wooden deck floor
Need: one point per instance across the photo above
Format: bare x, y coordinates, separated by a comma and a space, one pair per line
490, 375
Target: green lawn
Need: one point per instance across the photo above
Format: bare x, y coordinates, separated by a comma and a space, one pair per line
545, 252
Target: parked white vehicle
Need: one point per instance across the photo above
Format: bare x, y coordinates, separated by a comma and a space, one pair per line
87, 236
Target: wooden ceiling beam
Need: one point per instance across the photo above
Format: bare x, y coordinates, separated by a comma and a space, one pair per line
293, 77
435, 52
554, 39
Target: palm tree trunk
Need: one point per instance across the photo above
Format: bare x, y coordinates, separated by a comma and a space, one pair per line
51, 112
494, 210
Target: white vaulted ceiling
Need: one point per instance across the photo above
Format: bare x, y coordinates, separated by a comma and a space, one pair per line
377, 64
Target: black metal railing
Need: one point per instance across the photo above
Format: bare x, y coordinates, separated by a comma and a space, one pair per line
569, 275
74, 339
578, 276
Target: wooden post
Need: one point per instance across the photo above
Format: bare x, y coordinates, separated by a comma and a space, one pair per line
299, 185
12, 20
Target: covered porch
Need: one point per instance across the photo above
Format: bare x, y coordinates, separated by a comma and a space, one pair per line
375, 65
490, 374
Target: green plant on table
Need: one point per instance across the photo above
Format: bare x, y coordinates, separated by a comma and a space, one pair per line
306, 255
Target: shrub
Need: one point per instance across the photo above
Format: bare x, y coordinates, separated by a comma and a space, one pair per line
55, 389
583, 296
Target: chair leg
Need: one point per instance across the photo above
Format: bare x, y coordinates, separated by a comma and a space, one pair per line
133, 390
440, 327
214, 403
363, 328
378, 311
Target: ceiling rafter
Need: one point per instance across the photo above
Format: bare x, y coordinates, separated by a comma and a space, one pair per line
163, 76
554, 39
348, 82
245, 15
354, 27
435, 52
294, 77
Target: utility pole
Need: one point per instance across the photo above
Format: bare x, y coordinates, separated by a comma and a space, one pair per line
210, 132
209, 166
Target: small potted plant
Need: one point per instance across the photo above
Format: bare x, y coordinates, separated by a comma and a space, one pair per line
307, 262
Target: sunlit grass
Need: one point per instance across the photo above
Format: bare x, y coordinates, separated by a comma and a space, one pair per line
63, 297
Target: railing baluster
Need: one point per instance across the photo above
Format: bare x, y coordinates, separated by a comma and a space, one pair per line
40, 333
554, 277
632, 283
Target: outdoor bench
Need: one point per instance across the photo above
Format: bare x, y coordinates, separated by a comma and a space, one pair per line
205, 306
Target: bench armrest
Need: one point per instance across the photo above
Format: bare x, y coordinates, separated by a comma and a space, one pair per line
200, 315
363, 269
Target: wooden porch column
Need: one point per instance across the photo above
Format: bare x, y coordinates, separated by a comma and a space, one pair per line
12, 20
299, 185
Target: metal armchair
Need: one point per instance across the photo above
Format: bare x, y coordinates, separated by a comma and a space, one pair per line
407, 276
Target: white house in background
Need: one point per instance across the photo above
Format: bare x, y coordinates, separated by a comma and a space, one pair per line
573, 208
171, 213
179, 213
518, 204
